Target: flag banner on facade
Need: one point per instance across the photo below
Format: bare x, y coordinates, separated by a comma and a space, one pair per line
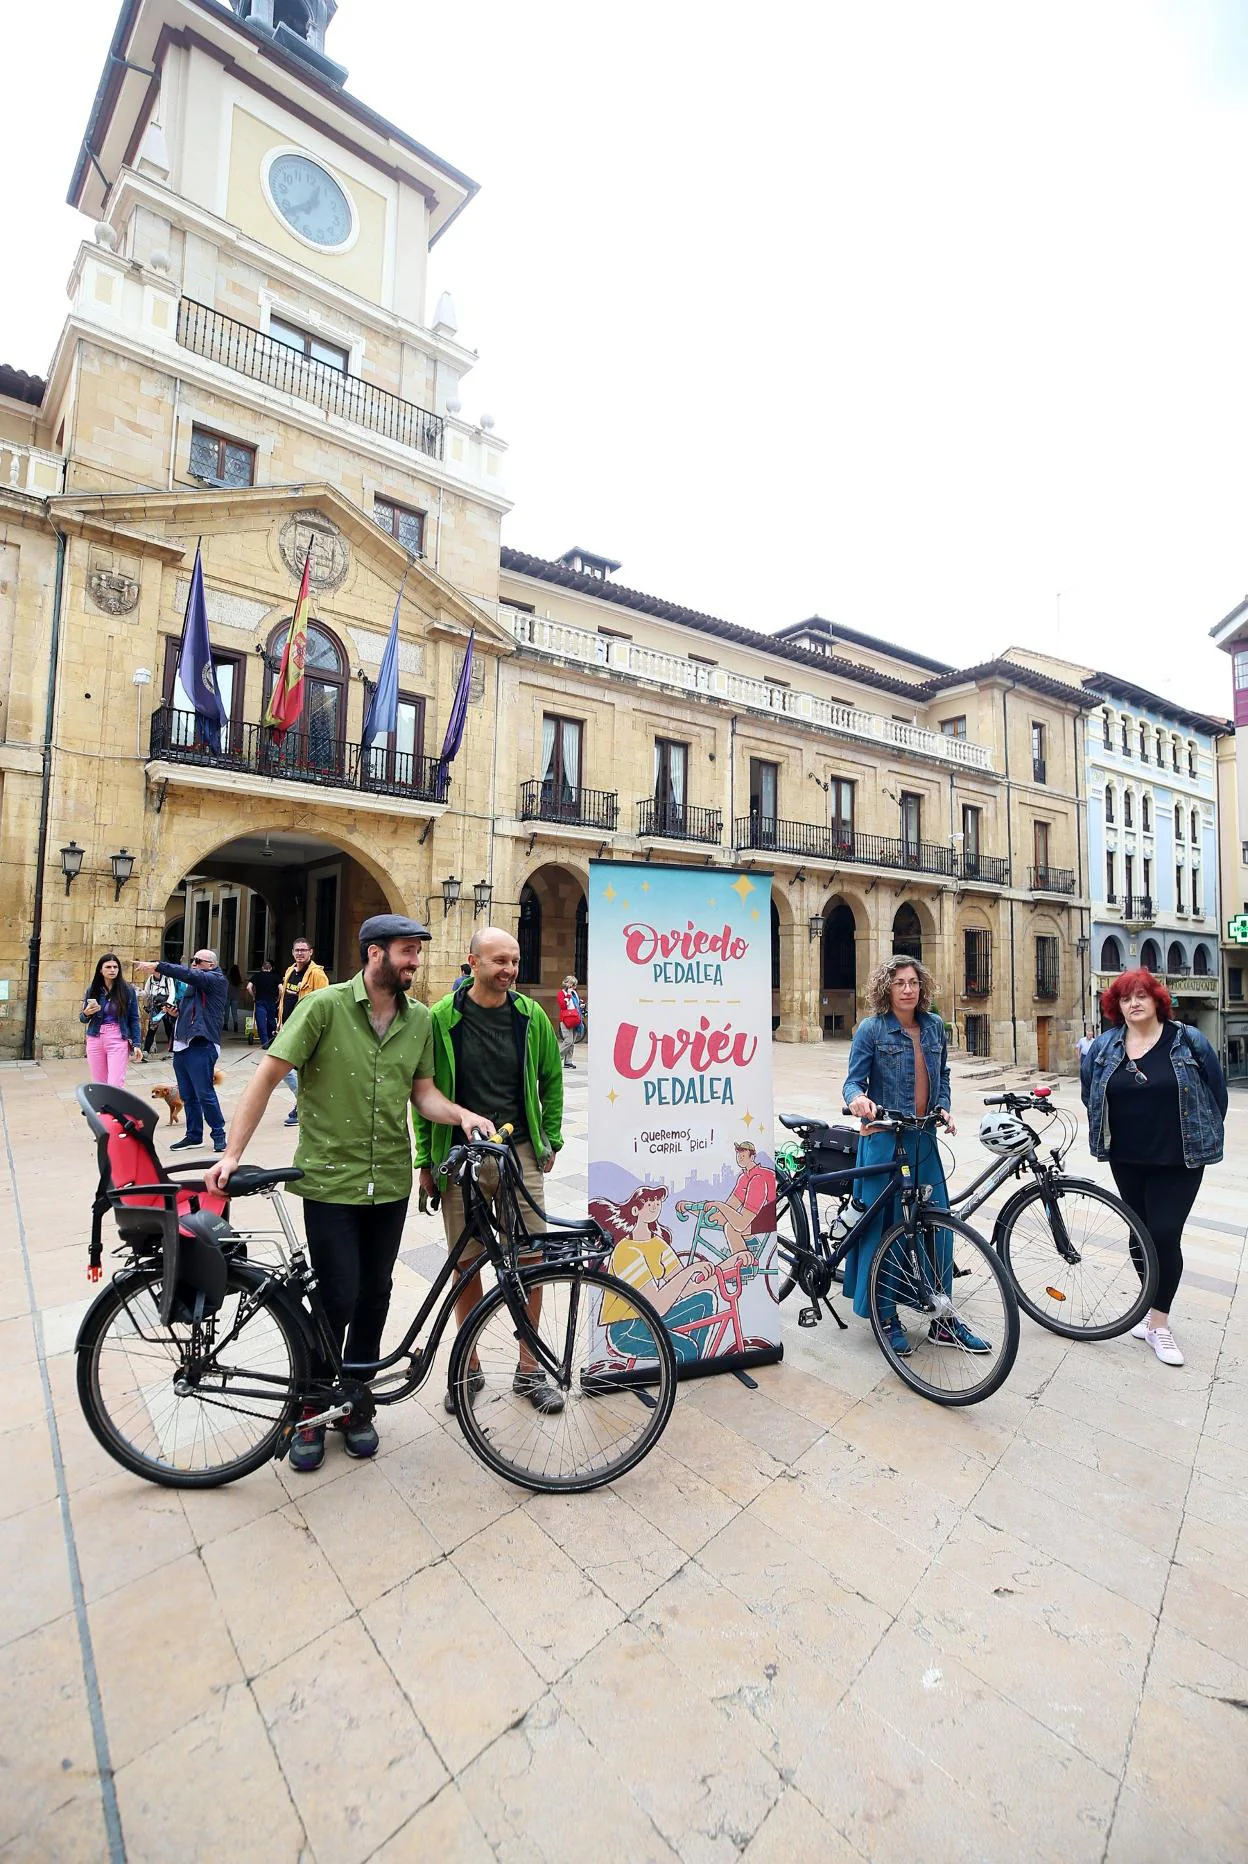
286, 700
459, 708
681, 1173
195, 668
382, 716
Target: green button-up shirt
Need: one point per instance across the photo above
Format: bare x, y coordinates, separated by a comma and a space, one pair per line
355, 1146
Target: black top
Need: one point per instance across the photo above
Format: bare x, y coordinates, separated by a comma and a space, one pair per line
266, 985
291, 993
488, 1071
1143, 1107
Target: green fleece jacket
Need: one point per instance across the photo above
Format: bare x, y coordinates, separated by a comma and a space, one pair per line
537, 1047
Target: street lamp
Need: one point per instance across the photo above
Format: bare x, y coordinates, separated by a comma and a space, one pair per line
451, 890
71, 863
123, 867
482, 898
815, 927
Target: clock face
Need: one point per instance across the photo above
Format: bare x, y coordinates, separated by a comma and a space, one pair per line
310, 200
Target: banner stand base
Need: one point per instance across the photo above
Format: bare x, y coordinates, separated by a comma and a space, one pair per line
641, 1375
745, 1379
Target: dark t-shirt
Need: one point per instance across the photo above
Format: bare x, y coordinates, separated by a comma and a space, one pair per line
1144, 1108
487, 1077
291, 992
266, 985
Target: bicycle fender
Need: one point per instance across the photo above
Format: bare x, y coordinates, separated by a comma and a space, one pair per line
249, 1273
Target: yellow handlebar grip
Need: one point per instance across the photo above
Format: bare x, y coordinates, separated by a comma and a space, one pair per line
504, 1133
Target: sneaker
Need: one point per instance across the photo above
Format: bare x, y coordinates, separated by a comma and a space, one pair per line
476, 1383
1140, 1332
898, 1338
1164, 1345
536, 1387
186, 1145
218, 1145
359, 1440
292, 1118
307, 1452
956, 1333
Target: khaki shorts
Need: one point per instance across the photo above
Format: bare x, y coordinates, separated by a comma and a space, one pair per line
453, 1202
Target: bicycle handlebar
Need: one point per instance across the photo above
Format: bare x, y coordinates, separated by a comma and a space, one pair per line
905, 1122
1037, 1101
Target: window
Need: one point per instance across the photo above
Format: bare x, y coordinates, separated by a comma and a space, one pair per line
1178, 890
529, 938
1111, 895
1178, 821
671, 770
1109, 802
1239, 673
1143, 744
907, 932
1195, 826
977, 1028
1039, 737
1150, 956
221, 461
1128, 809
318, 738
1128, 878
764, 794
561, 762
954, 727
1191, 760
396, 758
1196, 908
841, 805
1146, 814
405, 524
1176, 963
911, 823
1148, 880
1040, 849
1174, 753
972, 840
229, 670
1126, 737
1111, 955
1235, 973
1107, 728
313, 347
1200, 962
977, 961
1046, 965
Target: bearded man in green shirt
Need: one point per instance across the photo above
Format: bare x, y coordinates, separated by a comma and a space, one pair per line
363, 1051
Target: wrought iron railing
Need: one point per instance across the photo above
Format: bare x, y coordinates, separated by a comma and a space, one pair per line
300, 757
812, 842
252, 353
668, 821
1051, 879
544, 801
1137, 906
992, 868
1046, 968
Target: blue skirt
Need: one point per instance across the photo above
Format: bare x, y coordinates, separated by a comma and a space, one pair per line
924, 1156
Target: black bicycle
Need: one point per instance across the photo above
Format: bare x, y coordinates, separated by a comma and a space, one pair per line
196, 1363
950, 1331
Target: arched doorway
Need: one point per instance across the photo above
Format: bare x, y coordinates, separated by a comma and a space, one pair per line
839, 968
775, 964
907, 932
1111, 955
1175, 961
1200, 962
1150, 956
552, 930
529, 938
173, 940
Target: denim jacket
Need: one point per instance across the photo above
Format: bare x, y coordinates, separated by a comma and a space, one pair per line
881, 1063
1202, 1092
201, 1009
127, 1023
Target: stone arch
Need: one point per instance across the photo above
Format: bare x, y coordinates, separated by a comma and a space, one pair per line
551, 926
907, 932
180, 861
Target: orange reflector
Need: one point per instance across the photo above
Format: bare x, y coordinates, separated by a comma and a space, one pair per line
1055, 1294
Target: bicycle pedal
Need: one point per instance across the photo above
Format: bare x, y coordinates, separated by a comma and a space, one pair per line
809, 1317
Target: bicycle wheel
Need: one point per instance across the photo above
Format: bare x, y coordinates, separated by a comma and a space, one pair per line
966, 1340
1082, 1264
189, 1407
618, 1382
792, 1234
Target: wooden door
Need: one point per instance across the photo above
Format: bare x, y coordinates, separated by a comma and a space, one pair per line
1044, 1027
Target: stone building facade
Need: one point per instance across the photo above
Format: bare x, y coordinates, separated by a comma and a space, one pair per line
248, 366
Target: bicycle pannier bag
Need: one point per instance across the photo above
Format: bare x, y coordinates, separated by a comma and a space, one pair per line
831, 1148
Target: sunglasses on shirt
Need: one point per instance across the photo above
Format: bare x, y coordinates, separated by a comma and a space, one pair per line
1138, 1074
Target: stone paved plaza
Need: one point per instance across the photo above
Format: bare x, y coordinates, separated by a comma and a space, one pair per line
825, 1620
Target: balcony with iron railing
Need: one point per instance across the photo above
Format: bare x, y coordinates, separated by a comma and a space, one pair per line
669, 821
562, 641
808, 841
1138, 908
1051, 879
298, 757
570, 805
262, 358
992, 870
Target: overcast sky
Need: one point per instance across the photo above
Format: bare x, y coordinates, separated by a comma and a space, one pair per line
927, 319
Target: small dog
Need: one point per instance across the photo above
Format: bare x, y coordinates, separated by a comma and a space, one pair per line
174, 1101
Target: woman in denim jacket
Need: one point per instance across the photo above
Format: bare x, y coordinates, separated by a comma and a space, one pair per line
899, 1059
1156, 1097
110, 1010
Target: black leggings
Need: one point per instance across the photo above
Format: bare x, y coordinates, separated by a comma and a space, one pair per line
1161, 1197
353, 1249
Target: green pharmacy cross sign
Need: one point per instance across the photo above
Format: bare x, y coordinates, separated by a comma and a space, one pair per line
1237, 929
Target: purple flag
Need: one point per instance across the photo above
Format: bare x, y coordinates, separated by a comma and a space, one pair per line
459, 710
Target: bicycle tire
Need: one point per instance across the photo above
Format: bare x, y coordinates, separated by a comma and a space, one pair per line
982, 1304
126, 1362
1111, 1286
792, 1233
613, 1413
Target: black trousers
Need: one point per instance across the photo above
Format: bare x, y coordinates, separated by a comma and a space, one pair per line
1161, 1197
353, 1248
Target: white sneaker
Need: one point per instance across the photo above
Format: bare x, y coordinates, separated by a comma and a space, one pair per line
1140, 1332
1163, 1344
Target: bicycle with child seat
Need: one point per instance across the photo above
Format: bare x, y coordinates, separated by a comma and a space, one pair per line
966, 1338
198, 1362
1080, 1262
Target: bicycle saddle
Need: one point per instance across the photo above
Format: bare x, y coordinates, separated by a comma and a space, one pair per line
245, 1179
800, 1122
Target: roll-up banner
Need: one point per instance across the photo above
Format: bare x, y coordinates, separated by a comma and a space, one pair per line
681, 1172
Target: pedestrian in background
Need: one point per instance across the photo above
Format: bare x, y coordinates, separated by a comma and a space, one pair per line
570, 1016
197, 1043
262, 988
1156, 1100
299, 980
110, 1010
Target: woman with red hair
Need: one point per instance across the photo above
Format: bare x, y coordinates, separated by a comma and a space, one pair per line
1156, 1099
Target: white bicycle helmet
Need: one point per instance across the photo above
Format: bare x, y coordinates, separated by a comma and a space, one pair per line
1004, 1133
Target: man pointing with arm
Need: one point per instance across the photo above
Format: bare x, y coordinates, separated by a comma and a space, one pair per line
363, 1050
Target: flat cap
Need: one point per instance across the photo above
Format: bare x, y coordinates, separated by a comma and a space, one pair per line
384, 926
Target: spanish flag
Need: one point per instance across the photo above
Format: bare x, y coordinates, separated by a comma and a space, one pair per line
286, 701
